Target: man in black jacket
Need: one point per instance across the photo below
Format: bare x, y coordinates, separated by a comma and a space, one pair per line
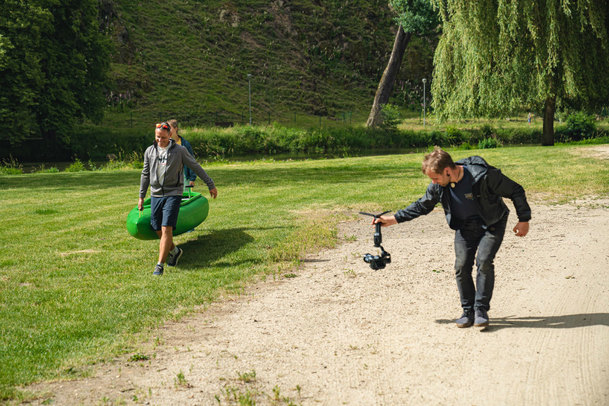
471, 193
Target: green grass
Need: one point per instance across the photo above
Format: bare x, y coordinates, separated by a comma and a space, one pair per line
77, 289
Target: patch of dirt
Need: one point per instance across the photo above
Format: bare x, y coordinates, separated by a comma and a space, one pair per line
596, 151
338, 332
87, 251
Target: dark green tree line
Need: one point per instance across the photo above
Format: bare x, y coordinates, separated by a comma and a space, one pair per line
53, 68
497, 57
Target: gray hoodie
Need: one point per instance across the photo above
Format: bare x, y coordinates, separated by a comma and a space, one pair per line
173, 183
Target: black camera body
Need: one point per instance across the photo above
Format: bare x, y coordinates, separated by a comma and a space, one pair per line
377, 261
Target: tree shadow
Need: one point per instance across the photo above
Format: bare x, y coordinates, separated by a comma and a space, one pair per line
70, 181
552, 322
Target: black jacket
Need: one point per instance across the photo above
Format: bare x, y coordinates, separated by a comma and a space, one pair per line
489, 187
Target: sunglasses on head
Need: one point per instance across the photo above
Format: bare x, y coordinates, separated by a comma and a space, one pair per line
164, 126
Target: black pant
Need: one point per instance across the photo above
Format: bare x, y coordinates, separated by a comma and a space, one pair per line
471, 237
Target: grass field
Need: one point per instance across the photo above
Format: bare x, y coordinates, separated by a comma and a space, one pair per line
76, 288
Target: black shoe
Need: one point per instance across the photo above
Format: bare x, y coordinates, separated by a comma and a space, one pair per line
158, 270
172, 260
481, 319
466, 319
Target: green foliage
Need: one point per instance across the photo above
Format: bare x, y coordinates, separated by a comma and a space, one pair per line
455, 136
10, 166
416, 16
76, 166
580, 126
489, 143
107, 149
495, 58
43, 169
390, 117
53, 64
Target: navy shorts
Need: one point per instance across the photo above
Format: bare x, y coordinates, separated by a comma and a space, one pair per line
164, 211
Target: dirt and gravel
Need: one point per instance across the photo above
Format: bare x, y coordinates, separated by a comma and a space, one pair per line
336, 332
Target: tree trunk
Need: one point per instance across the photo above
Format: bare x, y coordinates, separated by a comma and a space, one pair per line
548, 121
388, 79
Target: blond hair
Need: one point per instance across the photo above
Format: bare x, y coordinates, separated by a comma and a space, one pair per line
174, 124
437, 160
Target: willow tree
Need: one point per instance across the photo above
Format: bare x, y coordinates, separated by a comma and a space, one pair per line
497, 57
414, 17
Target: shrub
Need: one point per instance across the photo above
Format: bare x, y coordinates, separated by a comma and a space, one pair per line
76, 166
454, 136
391, 117
10, 166
580, 126
487, 131
489, 143
43, 169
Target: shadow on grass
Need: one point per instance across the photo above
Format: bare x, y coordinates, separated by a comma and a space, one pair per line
210, 249
268, 176
557, 322
72, 181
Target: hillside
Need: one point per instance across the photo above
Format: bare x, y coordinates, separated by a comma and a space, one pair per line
190, 59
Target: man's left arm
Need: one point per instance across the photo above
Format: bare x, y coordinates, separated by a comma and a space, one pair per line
506, 187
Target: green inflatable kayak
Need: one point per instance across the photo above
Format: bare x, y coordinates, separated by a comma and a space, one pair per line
193, 211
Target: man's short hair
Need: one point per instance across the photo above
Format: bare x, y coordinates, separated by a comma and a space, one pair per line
437, 161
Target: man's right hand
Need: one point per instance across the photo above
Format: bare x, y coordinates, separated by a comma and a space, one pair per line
140, 204
385, 221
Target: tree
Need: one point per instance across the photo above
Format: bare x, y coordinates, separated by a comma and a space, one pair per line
53, 67
415, 17
498, 57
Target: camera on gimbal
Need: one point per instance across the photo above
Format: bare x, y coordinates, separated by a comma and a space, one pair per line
377, 261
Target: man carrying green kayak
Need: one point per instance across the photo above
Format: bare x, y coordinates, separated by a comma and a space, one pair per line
163, 171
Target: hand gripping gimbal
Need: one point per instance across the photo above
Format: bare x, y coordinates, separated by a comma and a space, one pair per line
377, 261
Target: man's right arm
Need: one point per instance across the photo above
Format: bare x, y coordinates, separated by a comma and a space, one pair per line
145, 177
421, 207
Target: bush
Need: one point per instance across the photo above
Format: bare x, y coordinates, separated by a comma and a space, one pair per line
43, 169
10, 166
391, 117
76, 166
489, 143
454, 136
580, 126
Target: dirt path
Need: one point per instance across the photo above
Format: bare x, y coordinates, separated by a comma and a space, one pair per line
340, 333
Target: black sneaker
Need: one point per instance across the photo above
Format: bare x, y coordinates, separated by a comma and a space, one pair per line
172, 260
481, 318
158, 270
466, 319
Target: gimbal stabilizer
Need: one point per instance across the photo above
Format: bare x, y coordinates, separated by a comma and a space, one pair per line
377, 261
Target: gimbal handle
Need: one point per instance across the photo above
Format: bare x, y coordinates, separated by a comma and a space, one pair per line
378, 237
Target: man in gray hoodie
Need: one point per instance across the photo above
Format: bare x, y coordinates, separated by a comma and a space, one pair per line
164, 172
471, 193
